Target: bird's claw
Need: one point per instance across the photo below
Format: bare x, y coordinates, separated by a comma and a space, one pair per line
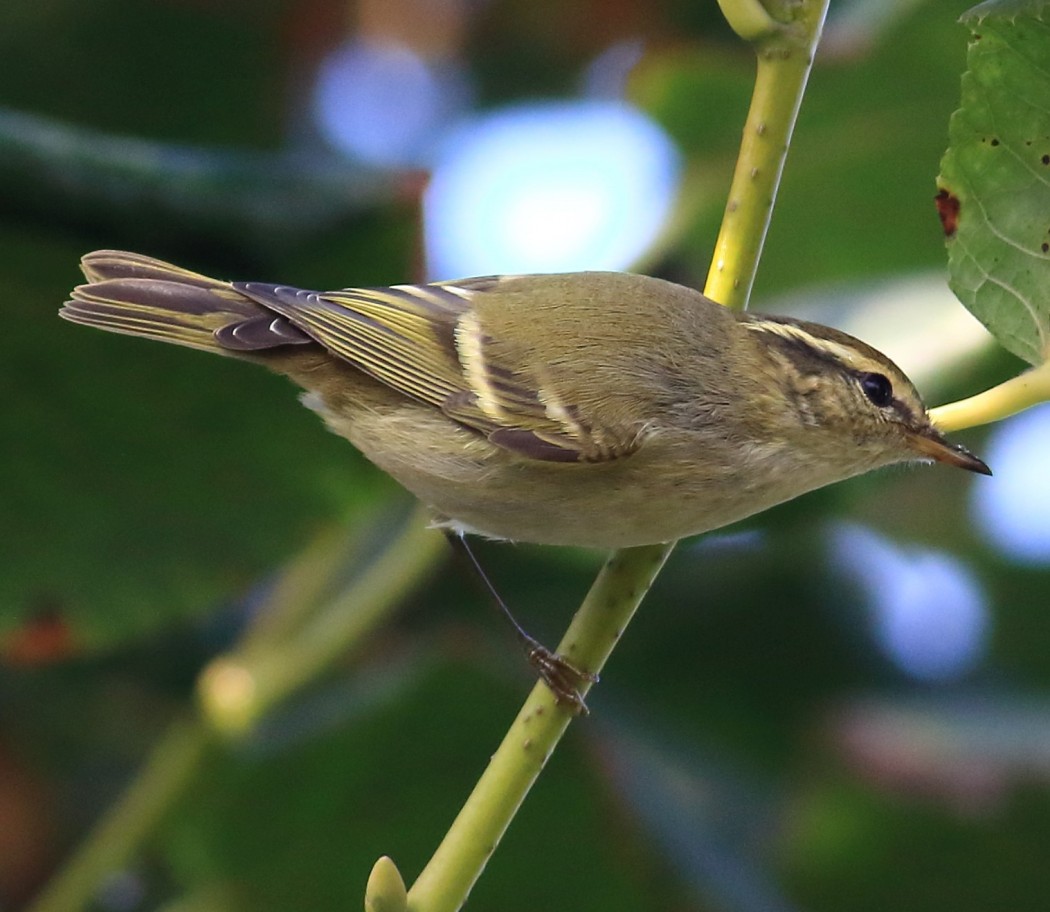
563, 678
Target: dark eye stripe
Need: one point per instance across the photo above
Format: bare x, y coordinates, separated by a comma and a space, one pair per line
803, 345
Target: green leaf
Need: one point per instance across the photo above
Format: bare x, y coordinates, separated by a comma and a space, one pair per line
142, 484
995, 176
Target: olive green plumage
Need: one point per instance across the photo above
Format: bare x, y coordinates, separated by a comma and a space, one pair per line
595, 409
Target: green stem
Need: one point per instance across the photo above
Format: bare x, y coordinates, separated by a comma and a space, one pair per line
172, 767
302, 586
459, 860
784, 61
238, 689
748, 18
270, 663
785, 56
1002, 401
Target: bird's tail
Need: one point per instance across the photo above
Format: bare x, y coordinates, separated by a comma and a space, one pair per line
137, 295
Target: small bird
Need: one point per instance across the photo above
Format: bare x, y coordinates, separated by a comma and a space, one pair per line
596, 409
593, 408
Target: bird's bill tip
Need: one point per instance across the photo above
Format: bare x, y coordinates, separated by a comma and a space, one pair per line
931, 444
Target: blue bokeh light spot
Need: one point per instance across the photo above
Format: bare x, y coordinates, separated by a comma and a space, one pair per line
547, 188
1012, 509
606, 76
383, 103
928, 612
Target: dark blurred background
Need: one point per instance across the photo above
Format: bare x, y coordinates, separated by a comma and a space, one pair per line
840, 706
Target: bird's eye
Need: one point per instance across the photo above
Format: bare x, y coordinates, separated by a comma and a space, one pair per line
877, 388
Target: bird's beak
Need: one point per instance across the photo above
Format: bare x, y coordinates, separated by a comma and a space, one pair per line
932, 444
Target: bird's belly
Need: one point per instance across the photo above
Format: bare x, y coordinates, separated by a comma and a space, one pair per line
657, 494
615, 505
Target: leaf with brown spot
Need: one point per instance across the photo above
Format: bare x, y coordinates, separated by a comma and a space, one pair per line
994, 215
948, 210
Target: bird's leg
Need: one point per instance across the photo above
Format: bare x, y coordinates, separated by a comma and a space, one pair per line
561, 676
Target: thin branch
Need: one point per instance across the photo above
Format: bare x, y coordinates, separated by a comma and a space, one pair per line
245, 198
999, 402
173, 766
443, 886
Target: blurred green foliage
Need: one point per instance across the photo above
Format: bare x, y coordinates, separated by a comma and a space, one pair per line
146, 493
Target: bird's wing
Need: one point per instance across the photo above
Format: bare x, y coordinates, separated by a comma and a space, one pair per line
401, 336
427, 342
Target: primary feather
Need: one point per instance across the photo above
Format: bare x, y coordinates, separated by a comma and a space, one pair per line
426, 342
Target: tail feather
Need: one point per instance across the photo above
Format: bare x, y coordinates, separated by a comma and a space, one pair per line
139, 296
102, 265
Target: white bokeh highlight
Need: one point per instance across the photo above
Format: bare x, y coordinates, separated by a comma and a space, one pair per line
549, 187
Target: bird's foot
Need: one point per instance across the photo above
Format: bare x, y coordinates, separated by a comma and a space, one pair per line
563, 678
